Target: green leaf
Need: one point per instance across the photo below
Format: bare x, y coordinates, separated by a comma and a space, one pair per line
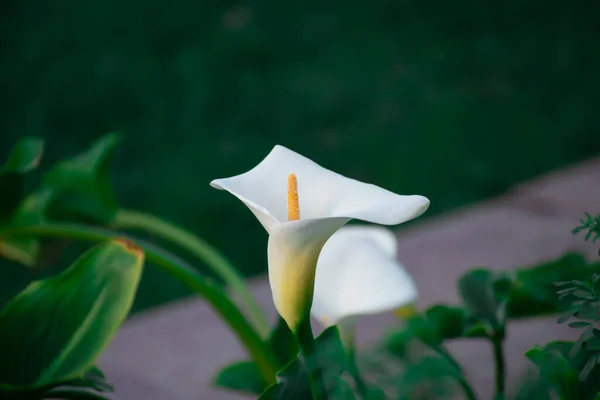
588, 367
82, 183
276, 392
449, 322
242, 376
55, 329
583, 294
245, 376
331, 354
478, 329
477, 291
92, 380
578, 324
566, 316
24, 157
32, 211
593, 344
430, 377
561, 373
555, 372
292, 383
332, 360
586, 335
66, 394
283, 342
533, 291
341, 391
436, 324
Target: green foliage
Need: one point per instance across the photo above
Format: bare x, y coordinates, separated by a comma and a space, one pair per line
55, 329
90, 386
24, 157
245, 376
562, 373
484, 303
78, 190
532, 290
428, 378
437, 324
585, 307
82, 184
14, 209
332, 361
592, 225
282, 342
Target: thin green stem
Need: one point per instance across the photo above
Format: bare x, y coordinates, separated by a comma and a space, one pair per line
180, 270
129, 219
306, 342
462, 381
500, 366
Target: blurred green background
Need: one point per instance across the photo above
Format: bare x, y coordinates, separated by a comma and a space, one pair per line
453, 100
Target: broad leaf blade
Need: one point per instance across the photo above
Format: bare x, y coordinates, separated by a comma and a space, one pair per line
83, 183
55, 329
243, 376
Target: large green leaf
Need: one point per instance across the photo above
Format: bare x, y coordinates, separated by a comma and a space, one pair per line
82, 183
55, 329
243, 376
24, 157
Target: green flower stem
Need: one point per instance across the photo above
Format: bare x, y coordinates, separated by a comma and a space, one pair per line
462, 381
179, 269
306, 342
129, 219
500, 366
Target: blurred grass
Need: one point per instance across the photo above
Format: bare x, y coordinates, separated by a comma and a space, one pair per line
456, 101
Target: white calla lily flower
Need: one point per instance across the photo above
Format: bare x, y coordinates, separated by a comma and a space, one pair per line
301, 204
358, 273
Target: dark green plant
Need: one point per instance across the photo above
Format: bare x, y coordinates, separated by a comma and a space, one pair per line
592, 225
75, 200
52, 332
570, 369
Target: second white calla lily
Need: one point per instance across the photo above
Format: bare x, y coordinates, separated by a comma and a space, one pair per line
302, 204
358, 273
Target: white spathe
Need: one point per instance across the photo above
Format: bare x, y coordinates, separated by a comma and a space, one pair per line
358, 273
327, 202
